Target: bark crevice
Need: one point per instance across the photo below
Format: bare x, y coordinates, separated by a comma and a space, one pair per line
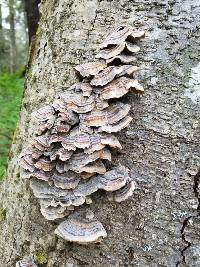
186, 221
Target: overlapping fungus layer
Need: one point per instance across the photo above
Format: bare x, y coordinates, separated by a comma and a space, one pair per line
74, 137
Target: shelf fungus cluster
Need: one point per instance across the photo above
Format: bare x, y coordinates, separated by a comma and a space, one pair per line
26, 262
74, 136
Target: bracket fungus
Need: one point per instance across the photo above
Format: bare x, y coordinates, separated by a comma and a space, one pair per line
81, 228
111, 52
123, 193
67, 160
26, 262
91, 68
105, 76
114, 113
117, 37
118, 88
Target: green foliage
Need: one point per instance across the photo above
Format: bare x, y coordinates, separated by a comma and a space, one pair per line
4, 53
11, 88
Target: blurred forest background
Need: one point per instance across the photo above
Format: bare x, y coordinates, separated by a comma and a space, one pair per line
18, 24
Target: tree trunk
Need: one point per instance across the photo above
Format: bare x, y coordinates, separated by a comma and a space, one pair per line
32, 13
1, 27
13, 47
23, 10
159, 226
1, 32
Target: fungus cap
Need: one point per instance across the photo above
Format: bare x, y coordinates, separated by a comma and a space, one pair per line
81, 228
92, 168
91, 68
114, 179
76, 102
26, 262
43, 114
116, 89
27, 163
80, 159
53, 213
98, 142
85, 88
42, 143
123, 193
132, 47
45, 164
111, 51
116, 127
137, 34
61, 153
42, 189
112, 114
117, 37
67, 180
105, 76
126, 70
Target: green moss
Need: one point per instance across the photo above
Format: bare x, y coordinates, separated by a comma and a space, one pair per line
38, 29
2, 214
40, 256
29, 74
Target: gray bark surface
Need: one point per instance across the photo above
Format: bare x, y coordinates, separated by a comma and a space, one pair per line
159, 226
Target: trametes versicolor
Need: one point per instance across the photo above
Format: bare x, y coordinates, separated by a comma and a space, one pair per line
75, 136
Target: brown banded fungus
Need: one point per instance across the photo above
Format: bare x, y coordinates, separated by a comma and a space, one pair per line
68, 159
79, 159
84, 88
26, 262
105, 76
117, 37
118, 88
81, 228
110, 181
126, 70
94, 167
42, 143
45, 118
123, 193
75, 102
67, 180
91, 68
111, 52
99, 103
132, 47
115, 127
52, 213
111, 115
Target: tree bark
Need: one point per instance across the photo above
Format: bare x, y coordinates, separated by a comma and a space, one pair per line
1, 27
13, 47
159, 226
1, 32
32, 13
